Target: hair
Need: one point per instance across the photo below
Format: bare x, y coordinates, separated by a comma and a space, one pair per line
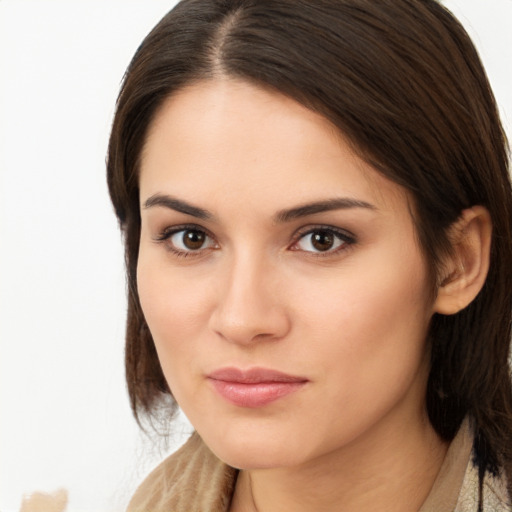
403, 83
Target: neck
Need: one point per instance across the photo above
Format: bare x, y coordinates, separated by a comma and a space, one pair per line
392, 467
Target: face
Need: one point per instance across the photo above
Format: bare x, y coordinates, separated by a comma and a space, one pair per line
280, 277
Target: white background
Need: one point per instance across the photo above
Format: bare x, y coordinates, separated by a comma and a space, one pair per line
64, 415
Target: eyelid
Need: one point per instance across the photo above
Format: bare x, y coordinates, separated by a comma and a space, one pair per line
165, 235
168, 231
346, 236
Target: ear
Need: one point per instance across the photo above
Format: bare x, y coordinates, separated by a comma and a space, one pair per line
465, 269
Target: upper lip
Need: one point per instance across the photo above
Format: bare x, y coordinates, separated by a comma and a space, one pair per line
253, 375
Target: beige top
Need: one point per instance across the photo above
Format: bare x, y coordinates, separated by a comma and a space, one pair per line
195, 480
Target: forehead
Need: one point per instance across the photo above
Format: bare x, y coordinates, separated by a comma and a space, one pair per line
231, 139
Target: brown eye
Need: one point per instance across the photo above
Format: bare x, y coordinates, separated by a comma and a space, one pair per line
193, 239
190, 240
322, 240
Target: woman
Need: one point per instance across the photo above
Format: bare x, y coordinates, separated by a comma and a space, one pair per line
317, 216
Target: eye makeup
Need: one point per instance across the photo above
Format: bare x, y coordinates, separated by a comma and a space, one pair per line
192, 240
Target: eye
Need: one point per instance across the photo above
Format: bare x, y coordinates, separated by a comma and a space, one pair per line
189, 239
184, 241
322, 240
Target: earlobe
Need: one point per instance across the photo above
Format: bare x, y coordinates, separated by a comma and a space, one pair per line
465, 269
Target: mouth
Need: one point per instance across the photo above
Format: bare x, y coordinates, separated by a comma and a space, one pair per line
254, 387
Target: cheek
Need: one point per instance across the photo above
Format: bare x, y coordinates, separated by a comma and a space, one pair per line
365, 341
175, 308
176, 312
368, 321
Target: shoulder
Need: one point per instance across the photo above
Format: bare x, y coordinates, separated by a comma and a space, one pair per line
457, 486
193, 478
495, 496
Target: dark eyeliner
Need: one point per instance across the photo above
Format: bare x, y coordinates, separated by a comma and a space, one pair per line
168, 232
348, 239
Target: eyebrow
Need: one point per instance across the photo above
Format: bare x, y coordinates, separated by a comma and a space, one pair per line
178, 205
341, 203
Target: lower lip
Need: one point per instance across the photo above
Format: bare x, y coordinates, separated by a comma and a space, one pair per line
256, 394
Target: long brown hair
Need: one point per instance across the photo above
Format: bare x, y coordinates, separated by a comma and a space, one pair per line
404, 84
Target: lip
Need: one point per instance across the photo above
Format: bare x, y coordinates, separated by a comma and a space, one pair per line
254, 387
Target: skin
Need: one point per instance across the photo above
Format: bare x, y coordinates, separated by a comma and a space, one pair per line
351, 320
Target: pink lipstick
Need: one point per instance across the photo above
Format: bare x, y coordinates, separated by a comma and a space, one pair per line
255, 387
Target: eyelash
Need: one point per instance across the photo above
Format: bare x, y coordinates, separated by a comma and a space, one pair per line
344, 238
167, 233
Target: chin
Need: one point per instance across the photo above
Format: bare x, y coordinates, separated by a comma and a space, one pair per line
255, 451
255, 459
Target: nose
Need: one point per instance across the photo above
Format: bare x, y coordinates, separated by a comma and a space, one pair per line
248, 308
